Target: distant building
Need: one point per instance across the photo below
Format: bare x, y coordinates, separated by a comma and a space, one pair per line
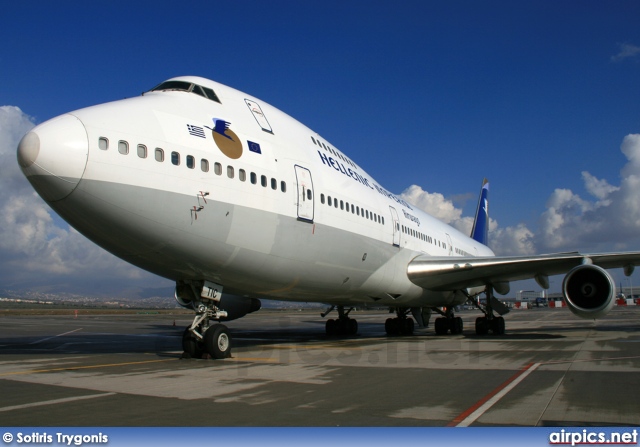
529, 295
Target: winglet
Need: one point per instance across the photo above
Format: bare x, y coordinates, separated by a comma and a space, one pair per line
480, 229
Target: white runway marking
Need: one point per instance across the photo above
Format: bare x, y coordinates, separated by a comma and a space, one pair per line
54, 401
59, 335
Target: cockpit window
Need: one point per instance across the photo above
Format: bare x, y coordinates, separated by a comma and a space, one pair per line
197, 90
173, 85
183, 86
210, 94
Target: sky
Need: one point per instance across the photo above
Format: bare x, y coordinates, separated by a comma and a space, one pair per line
429, 97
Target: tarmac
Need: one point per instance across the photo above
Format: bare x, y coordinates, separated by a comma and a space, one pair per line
550, 369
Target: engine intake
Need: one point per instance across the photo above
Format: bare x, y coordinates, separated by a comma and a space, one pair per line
589, 291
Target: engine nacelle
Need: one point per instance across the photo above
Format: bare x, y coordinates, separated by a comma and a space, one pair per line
235, 306
589, 291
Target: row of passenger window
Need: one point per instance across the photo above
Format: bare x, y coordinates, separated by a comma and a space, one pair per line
141, 150
334, 152
353, 209
423, 237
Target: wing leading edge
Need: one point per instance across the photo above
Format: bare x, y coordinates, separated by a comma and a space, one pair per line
455, 273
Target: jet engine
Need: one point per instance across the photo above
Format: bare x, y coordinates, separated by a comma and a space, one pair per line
235, 306
589, 291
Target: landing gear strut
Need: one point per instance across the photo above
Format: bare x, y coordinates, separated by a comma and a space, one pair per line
343, 325
401, 325
202, 337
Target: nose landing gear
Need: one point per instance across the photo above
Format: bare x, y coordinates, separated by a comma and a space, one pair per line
202, 337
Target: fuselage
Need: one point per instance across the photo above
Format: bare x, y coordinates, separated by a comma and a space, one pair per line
223, 187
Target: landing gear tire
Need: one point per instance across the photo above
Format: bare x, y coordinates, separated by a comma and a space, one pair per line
442, 326
191, 345
331, 327
399, 326
409, 326
482, 326
217, 341
391, 326
498, 326
341, 326
456, 325
353, 326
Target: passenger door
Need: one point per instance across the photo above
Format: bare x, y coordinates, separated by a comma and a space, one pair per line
395, 221
305, 194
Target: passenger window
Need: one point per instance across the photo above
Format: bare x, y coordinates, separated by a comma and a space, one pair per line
263, 180
329, 201
123, 147
175, 158
103, 143
342, 205
217, 168
204, 165
191, 162
283, 186
254, 178
274, 184
321, 197
230, 172
142, 151
242, 175
159, 155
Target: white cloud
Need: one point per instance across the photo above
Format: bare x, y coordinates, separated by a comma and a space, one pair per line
433, 203
611, 221
597, 188
626, 51
35, 251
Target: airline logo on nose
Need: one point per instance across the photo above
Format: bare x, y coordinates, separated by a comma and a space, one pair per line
226, 139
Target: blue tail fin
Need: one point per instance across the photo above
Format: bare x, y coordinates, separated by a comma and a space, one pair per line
480, 229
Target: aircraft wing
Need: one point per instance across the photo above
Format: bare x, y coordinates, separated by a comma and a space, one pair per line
454, 273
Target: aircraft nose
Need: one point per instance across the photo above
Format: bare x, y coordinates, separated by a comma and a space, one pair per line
53, 156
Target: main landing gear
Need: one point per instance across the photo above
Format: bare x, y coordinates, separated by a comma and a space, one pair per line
401, 325
343, 325
490, 322
448, 322
202, 337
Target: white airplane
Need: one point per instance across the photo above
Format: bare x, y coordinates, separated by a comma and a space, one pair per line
236, 201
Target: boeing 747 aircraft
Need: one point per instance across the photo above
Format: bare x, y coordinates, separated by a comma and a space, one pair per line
236, 202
